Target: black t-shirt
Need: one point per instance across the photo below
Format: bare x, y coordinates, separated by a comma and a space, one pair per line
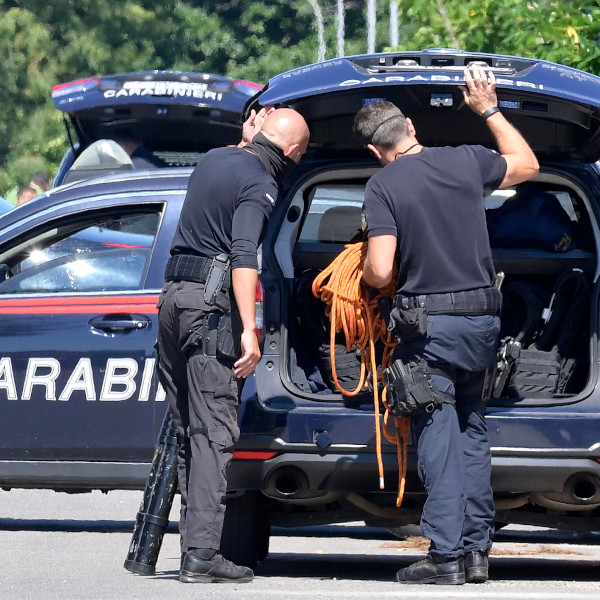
432, 202
229, 199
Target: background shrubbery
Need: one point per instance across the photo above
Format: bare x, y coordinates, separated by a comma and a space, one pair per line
46, 42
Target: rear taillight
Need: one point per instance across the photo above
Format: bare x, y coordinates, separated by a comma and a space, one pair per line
249, 87
259, 310
253, 454
80, 85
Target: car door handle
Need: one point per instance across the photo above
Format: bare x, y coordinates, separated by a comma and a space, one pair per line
120, 322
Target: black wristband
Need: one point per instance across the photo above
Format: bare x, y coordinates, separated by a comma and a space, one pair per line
489, 112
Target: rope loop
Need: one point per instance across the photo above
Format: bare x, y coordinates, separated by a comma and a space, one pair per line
353, 307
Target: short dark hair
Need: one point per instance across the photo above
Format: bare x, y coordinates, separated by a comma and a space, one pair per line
25, 188
41, 179
381, 123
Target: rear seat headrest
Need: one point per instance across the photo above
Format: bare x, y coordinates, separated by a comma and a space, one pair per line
340, 224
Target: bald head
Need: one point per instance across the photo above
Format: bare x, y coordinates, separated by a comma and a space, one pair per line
288, 129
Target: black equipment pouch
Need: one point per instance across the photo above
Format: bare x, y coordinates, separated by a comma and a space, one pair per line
409, 390
535, 374
225, 342
217, 336
213, 287
408, 323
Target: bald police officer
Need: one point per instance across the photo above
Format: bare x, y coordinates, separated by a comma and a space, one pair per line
207, 342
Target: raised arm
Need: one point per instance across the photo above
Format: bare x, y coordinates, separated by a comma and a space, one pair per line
480, 97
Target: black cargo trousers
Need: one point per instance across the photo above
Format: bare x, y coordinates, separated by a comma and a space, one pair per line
453, 449
203, 396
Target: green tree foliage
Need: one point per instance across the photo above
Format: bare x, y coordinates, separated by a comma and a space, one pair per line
47, 42
27, 75
563, 32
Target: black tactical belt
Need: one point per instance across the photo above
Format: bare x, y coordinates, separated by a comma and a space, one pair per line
187, 267
482, 301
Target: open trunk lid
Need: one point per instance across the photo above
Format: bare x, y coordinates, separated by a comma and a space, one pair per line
557, 108
169, 110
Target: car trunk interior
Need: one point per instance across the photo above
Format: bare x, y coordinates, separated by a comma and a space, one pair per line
544, 244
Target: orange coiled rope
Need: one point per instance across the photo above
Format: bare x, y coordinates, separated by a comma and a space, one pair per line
354, 309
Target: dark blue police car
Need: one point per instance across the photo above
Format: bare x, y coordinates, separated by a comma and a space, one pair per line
176, 115
82, 269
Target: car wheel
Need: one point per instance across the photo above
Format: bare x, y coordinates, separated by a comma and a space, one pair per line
246, 530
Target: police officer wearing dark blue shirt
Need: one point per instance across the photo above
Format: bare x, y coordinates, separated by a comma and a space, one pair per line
424, 211
207, 340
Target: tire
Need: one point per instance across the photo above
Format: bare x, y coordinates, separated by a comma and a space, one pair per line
246, 530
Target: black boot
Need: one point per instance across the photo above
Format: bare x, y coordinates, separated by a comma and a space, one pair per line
195, 569
433, 570
476, 566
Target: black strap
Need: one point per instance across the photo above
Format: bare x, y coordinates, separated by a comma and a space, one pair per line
446, 371
481, 301
192, 431
152, 519
489, 112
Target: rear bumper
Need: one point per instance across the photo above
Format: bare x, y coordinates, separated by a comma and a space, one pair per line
298, 474
512, 474
358, 472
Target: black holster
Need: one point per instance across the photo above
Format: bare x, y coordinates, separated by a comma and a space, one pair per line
214, 273
409, 390
215, 287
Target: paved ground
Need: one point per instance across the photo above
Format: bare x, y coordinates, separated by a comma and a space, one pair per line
71, 547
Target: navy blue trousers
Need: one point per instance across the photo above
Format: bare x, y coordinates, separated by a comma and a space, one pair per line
453, 450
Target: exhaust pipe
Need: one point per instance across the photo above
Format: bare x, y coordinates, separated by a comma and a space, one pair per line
286, 482
290, 484
581, 492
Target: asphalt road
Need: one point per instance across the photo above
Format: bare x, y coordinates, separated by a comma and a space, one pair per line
55, 546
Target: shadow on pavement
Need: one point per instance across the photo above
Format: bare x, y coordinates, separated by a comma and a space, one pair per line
102, 526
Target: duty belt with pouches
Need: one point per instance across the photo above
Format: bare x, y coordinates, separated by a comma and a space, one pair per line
213, 272
188, 267
481, 301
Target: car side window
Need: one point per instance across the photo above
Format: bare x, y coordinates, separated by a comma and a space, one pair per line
334, 216
332, 220
100, 255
